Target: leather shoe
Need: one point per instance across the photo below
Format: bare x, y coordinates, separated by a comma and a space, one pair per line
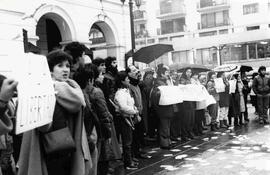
185, 139
142, 156
166, 147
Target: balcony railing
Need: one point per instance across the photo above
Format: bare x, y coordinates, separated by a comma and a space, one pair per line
166, 14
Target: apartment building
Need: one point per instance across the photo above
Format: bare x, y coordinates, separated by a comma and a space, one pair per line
210, 32
102, 25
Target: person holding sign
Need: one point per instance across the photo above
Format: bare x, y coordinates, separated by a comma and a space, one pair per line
165, 113
213, 109
188, 112
74, 158
224, 101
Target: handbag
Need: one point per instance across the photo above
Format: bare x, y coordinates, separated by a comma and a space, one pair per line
58, 141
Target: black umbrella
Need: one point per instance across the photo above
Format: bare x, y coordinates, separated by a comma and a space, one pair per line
180, 67
150, 53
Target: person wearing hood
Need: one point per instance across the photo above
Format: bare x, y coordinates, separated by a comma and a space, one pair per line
261, 87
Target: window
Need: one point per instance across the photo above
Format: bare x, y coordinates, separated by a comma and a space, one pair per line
253, 28
180, 57
172, 26
215, 19
206, 56
171, 6
250, 8
208, 33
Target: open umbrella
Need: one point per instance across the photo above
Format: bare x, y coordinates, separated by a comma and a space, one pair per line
180, 67
233, 68
150, 53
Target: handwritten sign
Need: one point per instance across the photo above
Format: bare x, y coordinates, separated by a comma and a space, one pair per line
36, 96
219, 85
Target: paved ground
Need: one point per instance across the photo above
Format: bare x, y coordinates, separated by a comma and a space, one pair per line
237, 151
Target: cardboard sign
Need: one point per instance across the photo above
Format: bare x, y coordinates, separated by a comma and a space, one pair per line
219, 85
170, 95
232, 86
177, 94
36, 96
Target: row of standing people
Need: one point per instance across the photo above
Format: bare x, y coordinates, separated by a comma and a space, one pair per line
185, 120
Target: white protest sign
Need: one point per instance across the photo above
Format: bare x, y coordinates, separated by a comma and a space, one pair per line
208, 100
170, 95
36, 96
192, 92
219, 85
232, 86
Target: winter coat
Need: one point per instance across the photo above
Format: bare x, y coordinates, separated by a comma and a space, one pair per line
261, 85
31, 161
125, 102
5, 127
108, 150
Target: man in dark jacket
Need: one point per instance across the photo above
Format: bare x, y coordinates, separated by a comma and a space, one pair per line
261, 87
138, 134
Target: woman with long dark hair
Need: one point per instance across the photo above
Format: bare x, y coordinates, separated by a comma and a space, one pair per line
126, 107
188, 112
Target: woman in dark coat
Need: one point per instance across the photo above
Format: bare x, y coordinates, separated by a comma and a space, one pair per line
108, 145
165, 113
188, 112
213, 109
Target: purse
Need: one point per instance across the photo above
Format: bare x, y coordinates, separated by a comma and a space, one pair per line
58, 141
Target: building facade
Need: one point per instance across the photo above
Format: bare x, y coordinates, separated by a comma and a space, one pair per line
102, 25
209, 32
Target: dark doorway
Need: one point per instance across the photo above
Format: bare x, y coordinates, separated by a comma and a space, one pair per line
53, 35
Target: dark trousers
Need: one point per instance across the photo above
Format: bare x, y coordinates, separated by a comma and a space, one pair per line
153, 121
138, 138
246, 109
176, 122
164, 132
199, 117
187, 118
126, 135
263, 104
213, 111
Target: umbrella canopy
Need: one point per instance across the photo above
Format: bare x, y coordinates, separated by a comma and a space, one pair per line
233, 68
180, 67
150, 53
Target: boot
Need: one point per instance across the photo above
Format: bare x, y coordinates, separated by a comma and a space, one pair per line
241, 119
226, 124
235, 122
221, 125
216, 126
213, 128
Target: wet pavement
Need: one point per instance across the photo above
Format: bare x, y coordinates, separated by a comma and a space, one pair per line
235, 151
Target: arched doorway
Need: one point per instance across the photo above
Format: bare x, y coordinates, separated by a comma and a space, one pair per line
102, 40
52, 31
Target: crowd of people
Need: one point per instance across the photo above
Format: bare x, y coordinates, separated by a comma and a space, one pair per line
108, 114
